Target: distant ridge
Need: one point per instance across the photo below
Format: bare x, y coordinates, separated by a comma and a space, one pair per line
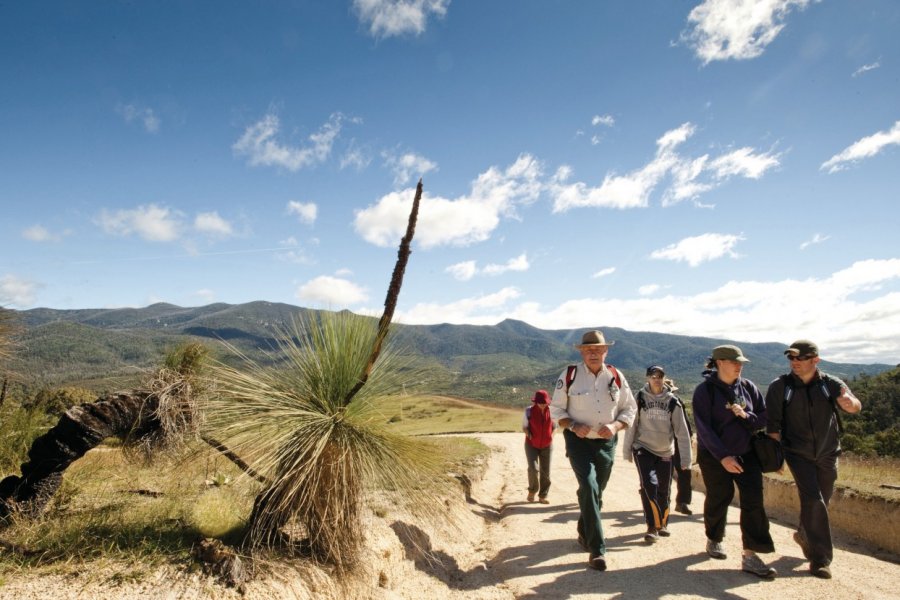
501, 363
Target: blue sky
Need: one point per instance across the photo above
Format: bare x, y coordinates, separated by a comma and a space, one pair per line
723, 168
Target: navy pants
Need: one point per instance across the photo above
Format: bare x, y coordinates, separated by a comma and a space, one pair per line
815, 485
592, 461
720, 492
683, 480
655, 473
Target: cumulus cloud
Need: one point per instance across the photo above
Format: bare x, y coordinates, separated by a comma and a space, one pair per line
386, 18
816, 239
260, 145
17, 291
152, 223
736, 29
700, 249
39, 233
603, 272
212, 224
855, 318
606, 120
463, 271
332, 292
866, 147
690, 177
305, 211
356, 157
649, 289
146, 116
461, 221
408, 166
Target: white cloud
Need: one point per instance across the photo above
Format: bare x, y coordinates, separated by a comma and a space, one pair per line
16, 291
649, 289
355, 157
39, 233
736, 29
848, 321
146, 116
306, 212
260, 146
463, 271
408, 166
211, 223
603, 272
332, 292
386, 18
700, 249
204, 295
691, 177
865, 69
463, 221
606, 120
519, 263
816, 239
152, 223
867, 147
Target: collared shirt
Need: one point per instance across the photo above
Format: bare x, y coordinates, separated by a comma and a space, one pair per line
593, 400
808, 424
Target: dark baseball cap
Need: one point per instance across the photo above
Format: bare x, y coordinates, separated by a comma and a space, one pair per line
802, 348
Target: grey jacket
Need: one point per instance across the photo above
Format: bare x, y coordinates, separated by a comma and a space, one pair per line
657, 430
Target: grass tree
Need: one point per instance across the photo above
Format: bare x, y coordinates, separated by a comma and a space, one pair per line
312, 429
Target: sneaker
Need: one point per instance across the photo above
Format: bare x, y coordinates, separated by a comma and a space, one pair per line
754, 564
801, 541
543, 500
596, 561
683, 508
716, 549
663, 532
531, 496
651, 536
820, 571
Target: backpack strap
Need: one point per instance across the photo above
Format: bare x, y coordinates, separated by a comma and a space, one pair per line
615, 373
824, 378
642, 404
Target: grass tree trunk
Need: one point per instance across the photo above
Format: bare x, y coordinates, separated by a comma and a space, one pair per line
81, 428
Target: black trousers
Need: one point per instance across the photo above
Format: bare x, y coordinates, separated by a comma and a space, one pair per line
720, 492
683, 480
815, 485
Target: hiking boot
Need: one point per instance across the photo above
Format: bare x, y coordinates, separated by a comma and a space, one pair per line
754, 564
531, 496
596, 561
820, 571
716, 549
663, 532
801, 541
683, 508
651, 536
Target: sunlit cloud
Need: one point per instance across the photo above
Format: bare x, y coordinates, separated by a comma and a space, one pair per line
866, 147
152, 223
260, 145
146, 116
700, 249
855, 318
386, 18
865, 69
331, 292
736, 29
816, 239
39, 233
519, 263
605, 120
212, 224
305, 211
603, 272
463, 271
649, 289
462, 221
17, 291
408, 166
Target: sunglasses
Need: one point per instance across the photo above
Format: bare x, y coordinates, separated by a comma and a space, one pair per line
798, 358
656, 376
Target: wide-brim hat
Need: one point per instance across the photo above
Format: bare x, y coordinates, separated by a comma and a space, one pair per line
593, 338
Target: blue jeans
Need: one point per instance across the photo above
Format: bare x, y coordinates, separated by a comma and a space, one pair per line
538, 469
592, 461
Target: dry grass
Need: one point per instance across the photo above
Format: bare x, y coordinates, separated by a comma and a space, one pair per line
863, 475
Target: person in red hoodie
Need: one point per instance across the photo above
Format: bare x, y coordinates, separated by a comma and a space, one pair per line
538, 428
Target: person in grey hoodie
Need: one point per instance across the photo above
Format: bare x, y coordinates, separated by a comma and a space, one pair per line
650, 444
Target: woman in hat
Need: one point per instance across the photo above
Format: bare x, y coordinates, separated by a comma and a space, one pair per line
538, 427
727, 410
650, 443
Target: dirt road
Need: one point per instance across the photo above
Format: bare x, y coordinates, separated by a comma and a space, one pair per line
529, 550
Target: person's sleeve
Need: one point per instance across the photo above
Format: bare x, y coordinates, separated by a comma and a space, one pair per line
626, 407
758, 415
706, 435
774, 406
682, 436
560, 399
525, 420
627, 443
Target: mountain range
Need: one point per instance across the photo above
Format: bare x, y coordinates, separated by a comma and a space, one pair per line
504, 363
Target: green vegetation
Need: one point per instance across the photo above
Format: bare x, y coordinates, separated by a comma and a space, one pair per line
875, 431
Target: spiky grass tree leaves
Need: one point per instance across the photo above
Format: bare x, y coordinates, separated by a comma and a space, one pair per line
320, 455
